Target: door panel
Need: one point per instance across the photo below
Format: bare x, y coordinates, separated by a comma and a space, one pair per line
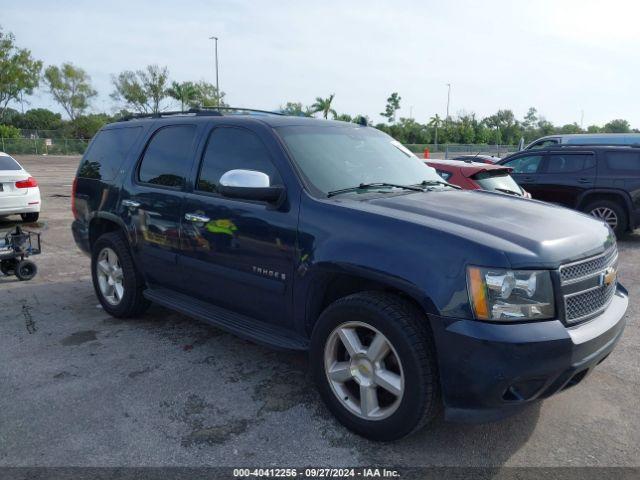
565, 177
238, 254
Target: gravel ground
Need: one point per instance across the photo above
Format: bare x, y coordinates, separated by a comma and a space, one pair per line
79, 388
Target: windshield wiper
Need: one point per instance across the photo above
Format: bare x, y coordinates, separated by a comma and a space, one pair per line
364, 186
433, 183
506, 190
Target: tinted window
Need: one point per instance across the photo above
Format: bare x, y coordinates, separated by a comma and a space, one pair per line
544, 143
231, 149
167, 159
107, 152
570, 163
528, 164
8, 163
445, 175
497, 181
623, 161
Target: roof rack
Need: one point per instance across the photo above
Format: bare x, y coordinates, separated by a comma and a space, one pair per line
203, 111
604, 144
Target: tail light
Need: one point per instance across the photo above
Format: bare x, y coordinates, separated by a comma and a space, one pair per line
28, 183
74, 185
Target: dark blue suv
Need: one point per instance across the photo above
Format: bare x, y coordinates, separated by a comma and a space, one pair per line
412, 297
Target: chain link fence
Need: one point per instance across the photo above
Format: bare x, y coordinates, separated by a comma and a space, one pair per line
450, 150
43, 146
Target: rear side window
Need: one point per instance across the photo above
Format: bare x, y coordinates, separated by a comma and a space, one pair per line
544, 143
8, 163
230, 149
528, 164
623, 161
570, 163
445, 175
167, 158
107, 152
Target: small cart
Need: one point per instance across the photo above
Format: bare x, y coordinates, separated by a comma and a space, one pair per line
15, 248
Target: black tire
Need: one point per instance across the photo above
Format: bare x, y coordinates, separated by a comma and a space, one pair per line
30, 217
26, 270
616, 208
406, 328
132, 303
8, 266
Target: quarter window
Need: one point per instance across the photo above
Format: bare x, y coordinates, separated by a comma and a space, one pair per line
107, 152
232, 149
623, 161
528, 164
167, 158
570, 163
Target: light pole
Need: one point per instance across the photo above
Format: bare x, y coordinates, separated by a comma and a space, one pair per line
448, 99
215, 51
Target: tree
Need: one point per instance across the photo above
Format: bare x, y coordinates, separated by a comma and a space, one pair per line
70, 86
296, 109
435, 123
206, 95
617, 126
19, 72
344, 117
324, 105
86, 126
393, 105
38, 119
142, 90
184, 92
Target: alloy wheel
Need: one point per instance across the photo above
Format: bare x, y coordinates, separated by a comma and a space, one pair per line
364, 370
110, 276
606, 214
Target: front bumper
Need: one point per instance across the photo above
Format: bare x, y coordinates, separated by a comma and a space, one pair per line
489, 371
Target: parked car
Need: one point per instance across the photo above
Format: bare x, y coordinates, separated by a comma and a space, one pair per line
603, 181
19, 191
586, 139
477, 158
478, 176
412, 297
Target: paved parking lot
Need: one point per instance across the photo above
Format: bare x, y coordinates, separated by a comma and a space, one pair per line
79, 388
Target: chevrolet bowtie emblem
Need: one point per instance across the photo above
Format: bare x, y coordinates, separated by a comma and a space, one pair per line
608, 277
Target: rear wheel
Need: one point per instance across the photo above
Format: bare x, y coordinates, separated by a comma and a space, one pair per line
116, 281
374, 363
8, 266
611, 213
26, 270
30, 217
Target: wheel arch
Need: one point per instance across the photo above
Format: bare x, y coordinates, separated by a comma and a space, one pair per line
330, 284
104, 222
618, 196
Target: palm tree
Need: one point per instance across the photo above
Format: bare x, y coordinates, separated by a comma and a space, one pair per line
435, 122
324, 105
184, 92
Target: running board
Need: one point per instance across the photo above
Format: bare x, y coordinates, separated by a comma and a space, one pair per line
240, 325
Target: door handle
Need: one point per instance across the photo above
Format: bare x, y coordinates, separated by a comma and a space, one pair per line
130, 203
196, 218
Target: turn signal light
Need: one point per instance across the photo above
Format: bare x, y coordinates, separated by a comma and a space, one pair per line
28, 183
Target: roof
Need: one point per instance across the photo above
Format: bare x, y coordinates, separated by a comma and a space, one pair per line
466, 168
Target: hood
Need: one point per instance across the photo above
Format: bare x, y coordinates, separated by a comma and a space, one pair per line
530, 233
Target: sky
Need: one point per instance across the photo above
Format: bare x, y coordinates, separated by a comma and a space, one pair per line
571, 60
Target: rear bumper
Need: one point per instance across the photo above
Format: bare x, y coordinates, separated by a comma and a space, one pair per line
81, 236
15, 204
490, 371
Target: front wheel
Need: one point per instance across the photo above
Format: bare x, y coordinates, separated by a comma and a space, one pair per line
612, 213
374, 363
26, 270
117, 282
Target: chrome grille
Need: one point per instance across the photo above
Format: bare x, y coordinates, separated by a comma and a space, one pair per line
589, 303
584, 292
586, 268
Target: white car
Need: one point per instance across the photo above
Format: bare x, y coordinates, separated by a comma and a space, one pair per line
19, 191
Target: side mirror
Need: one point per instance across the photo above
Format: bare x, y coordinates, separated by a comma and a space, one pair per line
250, 185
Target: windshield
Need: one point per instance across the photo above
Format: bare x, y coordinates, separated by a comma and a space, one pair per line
335, 158
8, 163
497, 181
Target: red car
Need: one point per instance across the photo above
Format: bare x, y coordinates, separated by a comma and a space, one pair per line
478, 176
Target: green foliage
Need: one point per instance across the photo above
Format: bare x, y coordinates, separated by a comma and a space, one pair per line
206, 95
37, 119
9, 131
70, 86
324, 105
393, 105
617, 126
184, 92
86, 126
296, 109
142, 90
19, 71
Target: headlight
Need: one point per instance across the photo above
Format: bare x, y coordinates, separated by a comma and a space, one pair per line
502, 295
